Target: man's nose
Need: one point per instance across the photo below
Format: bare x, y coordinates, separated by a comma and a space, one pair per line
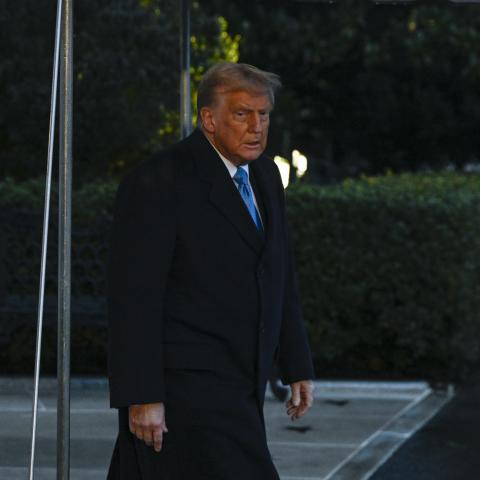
255, 123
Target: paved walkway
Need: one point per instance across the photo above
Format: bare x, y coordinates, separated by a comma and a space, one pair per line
448, 448
353, 428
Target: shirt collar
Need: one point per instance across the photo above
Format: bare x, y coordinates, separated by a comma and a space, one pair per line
232, 168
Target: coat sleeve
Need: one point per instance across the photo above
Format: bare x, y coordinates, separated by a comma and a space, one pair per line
294, 355
141, 251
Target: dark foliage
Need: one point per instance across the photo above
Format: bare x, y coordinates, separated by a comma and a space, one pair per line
126, 87
368, 87
390, 274
389, 269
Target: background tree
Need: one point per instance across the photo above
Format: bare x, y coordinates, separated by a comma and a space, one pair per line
367, 87
127, 80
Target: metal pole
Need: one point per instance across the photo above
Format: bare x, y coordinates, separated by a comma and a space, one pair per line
64, 244
46, 216
185, 95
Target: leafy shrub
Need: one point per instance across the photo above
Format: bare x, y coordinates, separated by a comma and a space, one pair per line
389, 269
89, 202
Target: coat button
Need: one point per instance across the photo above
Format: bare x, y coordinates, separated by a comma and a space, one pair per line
261, 270
262, 327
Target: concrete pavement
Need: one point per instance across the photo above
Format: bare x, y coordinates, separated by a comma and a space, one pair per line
353, 428
448, 447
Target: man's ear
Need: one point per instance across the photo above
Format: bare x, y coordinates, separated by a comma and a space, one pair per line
208, 121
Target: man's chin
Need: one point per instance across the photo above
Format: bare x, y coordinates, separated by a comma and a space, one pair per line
252, 155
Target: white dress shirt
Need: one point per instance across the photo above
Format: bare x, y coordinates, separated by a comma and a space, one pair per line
232, 170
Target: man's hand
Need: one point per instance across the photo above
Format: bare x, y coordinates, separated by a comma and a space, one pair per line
301, 399
147, 422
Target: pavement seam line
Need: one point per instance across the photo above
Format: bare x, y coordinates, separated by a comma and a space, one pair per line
301, 478
369, 440
410, 434
313, 444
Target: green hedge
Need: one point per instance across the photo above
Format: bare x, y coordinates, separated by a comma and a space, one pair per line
389, 269
90, 201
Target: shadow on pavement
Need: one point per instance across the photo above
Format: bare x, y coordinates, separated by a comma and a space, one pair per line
447, 448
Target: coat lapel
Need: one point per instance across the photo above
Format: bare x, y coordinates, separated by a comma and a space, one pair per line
266, 193
223, 193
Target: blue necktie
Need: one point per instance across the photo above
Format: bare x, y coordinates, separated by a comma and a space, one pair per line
241, 177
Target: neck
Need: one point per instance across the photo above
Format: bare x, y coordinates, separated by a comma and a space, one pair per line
211, 139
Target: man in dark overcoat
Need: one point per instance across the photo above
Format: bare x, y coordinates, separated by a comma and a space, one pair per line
202, 295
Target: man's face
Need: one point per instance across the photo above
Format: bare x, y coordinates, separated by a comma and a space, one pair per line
238, 125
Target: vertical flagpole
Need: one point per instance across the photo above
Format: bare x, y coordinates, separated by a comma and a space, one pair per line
46, 216
64, 243
185, 95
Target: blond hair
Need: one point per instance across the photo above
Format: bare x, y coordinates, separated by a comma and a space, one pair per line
232, 77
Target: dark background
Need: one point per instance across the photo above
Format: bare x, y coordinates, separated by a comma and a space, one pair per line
383, 99
367, 87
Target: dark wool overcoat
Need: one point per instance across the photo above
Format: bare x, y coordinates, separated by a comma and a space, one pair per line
200, 306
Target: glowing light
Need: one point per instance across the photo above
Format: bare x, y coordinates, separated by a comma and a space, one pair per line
284, 167
300, 163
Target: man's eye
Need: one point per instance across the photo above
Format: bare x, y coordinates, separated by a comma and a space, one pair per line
240, 116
